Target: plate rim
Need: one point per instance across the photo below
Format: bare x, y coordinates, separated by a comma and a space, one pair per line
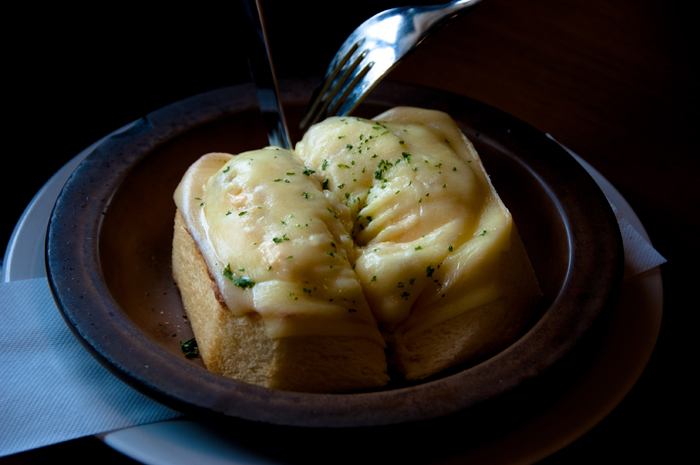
259, 399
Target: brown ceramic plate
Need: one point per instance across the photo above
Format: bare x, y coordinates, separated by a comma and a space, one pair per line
109, 244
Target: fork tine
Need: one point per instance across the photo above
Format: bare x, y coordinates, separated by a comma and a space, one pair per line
348, 90
327, 93
344, 60
341, 84
356, 93
319, 94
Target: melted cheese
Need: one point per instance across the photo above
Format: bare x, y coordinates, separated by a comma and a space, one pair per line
392, 219
275, 244
429, 226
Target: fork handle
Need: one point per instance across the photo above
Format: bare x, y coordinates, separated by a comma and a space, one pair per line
457, 8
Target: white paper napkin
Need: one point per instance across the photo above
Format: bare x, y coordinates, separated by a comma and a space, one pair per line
640, 255
51, 389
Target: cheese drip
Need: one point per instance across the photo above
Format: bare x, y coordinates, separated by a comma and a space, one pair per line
276, 244
429, 227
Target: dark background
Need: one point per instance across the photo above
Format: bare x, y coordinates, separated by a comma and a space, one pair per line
613, 81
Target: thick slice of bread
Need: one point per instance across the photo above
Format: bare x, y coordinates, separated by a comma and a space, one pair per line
290, 264
238, 346
438, 255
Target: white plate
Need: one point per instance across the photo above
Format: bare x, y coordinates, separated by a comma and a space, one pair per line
618, 364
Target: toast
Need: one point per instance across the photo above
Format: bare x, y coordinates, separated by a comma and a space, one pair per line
417, 254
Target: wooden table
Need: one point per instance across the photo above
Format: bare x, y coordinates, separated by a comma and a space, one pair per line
612, 81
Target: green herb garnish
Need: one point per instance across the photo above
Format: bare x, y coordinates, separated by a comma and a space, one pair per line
190, 348
241, 282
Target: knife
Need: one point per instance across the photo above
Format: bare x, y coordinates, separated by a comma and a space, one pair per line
263, 73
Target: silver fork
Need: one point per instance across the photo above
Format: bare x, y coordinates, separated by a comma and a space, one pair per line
374, 49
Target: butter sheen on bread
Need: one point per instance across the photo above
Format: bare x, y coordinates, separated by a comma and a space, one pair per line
416, 253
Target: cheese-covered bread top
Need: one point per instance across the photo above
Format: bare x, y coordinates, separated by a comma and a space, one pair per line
276, 243
392, 220
429, 227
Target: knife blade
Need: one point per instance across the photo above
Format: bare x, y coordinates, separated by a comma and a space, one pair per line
263, 73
